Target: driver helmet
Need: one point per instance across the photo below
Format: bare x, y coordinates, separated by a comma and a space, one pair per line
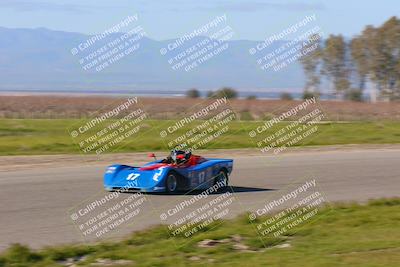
179, 156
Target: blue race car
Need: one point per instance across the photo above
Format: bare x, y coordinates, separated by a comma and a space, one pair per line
180, 171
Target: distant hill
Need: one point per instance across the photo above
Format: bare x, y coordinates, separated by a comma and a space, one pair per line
40, 59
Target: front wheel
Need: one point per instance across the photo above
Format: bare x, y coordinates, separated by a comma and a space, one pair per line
172, 183
221, 180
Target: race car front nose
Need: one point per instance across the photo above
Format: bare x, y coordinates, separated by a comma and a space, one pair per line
134, 178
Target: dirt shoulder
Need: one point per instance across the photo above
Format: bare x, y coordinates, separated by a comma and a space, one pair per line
11, 163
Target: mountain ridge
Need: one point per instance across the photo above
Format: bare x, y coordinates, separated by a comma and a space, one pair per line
40, 58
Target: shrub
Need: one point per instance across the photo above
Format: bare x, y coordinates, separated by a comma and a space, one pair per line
193, 93
224, 92
354, 95
309, 94
286, 96
19, 255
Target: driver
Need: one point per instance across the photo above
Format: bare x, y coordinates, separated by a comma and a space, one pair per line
180, 156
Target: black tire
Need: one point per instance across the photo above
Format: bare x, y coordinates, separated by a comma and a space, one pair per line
222, 176
172, 183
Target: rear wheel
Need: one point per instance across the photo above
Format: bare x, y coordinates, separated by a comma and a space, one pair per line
221, 180
172, 183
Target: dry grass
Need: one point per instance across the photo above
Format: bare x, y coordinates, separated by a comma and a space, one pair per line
169, 108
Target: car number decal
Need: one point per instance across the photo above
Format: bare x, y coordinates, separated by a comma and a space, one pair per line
158, 174
132, 176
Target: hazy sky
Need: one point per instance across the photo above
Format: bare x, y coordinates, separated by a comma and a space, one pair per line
163, 19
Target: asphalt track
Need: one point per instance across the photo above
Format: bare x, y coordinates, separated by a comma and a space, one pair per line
36, 204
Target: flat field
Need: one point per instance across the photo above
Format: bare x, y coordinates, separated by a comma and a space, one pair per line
42, 106
51, 136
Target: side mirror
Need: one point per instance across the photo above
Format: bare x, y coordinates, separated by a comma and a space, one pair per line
152, 155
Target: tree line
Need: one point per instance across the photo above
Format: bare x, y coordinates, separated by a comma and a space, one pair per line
347, 66
227, 92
